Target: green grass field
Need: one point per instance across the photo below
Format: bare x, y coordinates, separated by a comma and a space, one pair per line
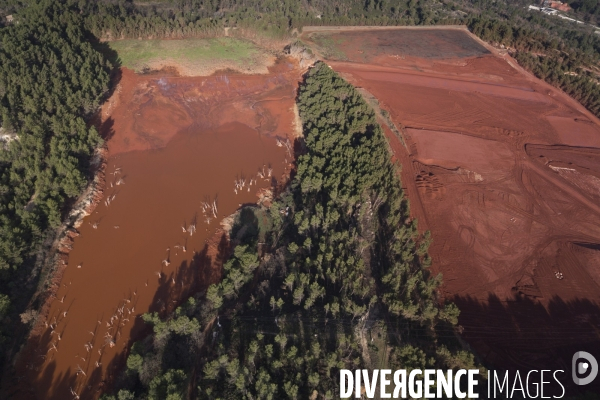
191, 53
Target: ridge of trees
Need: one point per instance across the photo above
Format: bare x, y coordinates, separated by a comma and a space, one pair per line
185, 18
344, 277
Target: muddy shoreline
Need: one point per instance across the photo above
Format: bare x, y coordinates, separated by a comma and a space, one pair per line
57, 256
161, 131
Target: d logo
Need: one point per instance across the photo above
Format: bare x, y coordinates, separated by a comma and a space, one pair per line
581, 367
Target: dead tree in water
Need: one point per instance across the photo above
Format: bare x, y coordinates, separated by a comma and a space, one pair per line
74, 394
239, 183
191, 230
205, 204
214, 208
52, 347
108, 340
80, 371
288, 146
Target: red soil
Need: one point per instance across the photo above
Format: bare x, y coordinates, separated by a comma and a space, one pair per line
499, 166
192, 137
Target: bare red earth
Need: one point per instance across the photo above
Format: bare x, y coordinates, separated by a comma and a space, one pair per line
505, 172
173, 143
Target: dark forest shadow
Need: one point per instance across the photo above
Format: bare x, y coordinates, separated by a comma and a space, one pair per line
245, 225
176, 285
104, 48
519, 333
105, 129
68, 385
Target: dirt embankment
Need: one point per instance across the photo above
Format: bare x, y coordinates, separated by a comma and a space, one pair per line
504, 171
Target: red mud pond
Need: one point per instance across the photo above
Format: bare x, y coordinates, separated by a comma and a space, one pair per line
176, 148
504, 170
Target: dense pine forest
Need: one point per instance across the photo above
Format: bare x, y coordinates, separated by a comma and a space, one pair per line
344, 273
340, 279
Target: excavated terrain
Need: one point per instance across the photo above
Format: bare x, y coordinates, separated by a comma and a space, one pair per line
505, 172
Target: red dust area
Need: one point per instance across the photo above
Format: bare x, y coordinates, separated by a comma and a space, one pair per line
177, 146
505, 172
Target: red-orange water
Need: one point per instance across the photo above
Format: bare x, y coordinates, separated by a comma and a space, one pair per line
141, 228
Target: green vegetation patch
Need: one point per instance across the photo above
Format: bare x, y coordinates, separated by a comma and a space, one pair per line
142, 54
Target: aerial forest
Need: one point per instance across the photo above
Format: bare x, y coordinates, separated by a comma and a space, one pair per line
334, 274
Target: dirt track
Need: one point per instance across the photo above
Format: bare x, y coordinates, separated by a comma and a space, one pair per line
505, 172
